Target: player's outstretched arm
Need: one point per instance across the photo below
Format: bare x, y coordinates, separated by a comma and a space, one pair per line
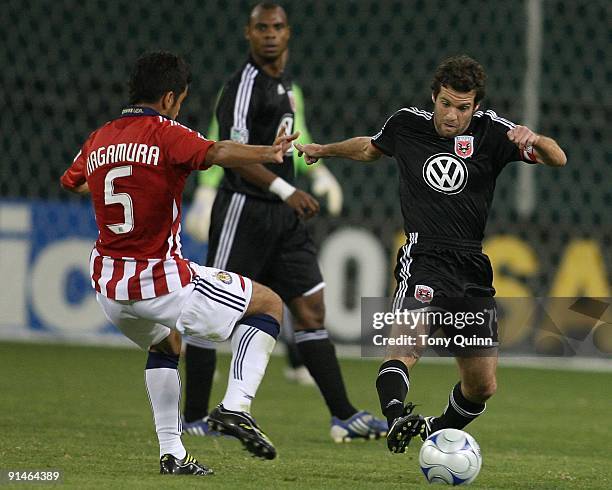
359, 148
231, 154
545, 149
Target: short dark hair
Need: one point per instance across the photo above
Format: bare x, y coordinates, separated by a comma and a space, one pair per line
157, 73
460, 73
264, 6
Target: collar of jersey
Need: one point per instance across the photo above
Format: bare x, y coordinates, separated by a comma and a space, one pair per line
282, 78
137, 111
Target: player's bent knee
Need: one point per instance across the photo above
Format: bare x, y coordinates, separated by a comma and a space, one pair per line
165, 354
265, 301
171, 345
308, 315
309, 320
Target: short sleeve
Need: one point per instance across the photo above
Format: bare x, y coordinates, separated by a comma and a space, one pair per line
385, 139
186, 147
75, 175
506, 150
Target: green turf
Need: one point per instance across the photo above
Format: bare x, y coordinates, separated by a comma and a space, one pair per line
84, 410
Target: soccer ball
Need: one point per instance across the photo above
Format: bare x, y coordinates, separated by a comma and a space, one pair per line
450, 456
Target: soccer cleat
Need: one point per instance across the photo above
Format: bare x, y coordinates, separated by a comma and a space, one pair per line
244, 428
362, 425
406, 427
426, 429
198, 427
170, 465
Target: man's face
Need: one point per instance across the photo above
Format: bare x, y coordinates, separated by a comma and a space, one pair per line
268, 33
453, 111
175, 107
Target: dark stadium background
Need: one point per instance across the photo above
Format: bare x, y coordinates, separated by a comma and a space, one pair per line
83, 410
64, 70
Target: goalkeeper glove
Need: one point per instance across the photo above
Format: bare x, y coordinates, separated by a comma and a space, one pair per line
325, 184
197, 221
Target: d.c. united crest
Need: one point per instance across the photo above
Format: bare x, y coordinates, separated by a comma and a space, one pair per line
423, 293
464, 146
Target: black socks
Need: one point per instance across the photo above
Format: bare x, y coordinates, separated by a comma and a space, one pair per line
199, 373
392, 384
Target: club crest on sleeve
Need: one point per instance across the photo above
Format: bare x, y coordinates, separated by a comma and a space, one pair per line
422, 293
224, 277
240, 135
464, 146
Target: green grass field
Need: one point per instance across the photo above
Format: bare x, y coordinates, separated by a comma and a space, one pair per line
84, 410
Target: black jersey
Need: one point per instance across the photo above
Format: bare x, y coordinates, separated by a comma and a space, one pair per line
252, 108
447, 184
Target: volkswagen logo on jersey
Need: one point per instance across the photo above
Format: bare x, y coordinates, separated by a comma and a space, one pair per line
445, 173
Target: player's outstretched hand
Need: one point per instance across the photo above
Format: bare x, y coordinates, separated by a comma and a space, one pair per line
311, 152
523, 137
282, 144
304, 204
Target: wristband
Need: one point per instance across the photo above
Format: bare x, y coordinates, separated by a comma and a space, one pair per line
281, 188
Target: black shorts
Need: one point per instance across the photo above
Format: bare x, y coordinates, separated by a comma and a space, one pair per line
451, 277
265, 241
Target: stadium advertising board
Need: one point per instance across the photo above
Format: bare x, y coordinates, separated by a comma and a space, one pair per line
46, 293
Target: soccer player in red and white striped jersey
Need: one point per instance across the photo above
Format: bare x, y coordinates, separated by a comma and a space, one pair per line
135, 168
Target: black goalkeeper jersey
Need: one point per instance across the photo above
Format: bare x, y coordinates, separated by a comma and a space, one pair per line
251, 109
446, 184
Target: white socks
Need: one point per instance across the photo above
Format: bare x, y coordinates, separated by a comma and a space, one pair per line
251, 349
164, 390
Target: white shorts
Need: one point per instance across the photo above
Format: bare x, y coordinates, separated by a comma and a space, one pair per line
208, 308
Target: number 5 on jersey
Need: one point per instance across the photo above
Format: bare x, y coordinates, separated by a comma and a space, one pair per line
120, 198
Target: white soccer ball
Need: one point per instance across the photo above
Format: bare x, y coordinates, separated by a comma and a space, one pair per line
450, 456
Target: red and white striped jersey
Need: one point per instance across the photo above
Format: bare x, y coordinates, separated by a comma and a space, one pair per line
136, 167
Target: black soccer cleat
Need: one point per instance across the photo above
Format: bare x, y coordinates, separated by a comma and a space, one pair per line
244, 428
170, 465
406, 427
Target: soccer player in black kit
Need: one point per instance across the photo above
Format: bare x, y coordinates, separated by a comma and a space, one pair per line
448, 163
257, 228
